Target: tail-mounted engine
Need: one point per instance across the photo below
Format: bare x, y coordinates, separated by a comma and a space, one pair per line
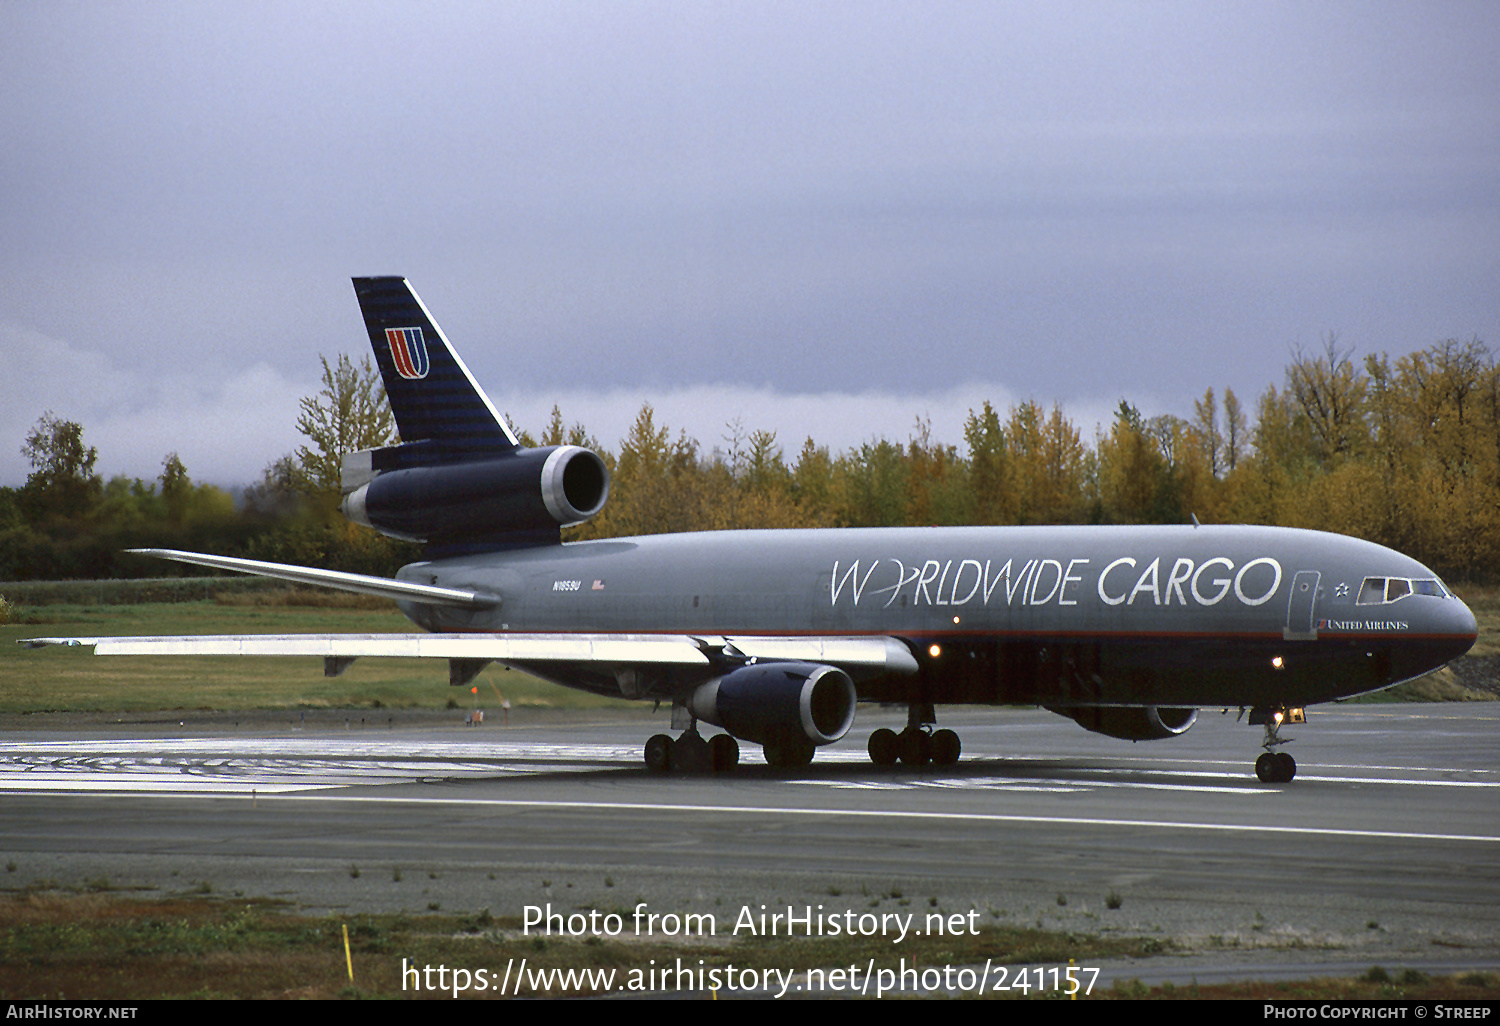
1132, 723
779, 703
522, 495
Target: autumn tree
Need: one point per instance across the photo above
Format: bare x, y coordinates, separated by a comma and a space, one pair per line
176, 488
1049, 465
1207, 437
1236, 431
991, 499
1438, 407
62, 482
349, 413
812, 485
874, 479
1131, 469
656, 486
1329, 391
762, 492
934, 481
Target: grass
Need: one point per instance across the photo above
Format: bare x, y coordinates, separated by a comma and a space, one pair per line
75, 680
115, 947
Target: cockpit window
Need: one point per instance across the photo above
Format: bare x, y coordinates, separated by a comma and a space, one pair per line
1377, 591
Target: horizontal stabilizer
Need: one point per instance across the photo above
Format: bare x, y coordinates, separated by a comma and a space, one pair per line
364, 584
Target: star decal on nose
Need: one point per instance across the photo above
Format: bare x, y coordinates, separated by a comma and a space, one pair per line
1342, 591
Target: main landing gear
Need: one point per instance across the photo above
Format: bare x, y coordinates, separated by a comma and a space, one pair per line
918, 744
1273, 767
690, 753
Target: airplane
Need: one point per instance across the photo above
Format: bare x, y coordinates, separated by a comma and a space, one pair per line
776, 636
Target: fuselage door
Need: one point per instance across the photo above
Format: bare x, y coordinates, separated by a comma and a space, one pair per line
1302, 607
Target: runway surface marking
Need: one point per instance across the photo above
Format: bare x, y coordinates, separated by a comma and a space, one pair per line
971, 817
236, 765
1021, 784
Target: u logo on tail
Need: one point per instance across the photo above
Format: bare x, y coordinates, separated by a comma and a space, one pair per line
408, 352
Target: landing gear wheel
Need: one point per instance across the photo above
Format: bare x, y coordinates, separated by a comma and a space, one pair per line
1275, 768
945, 748
788, 755
914, 747
690, 753
659, 753
884, 747
724, 753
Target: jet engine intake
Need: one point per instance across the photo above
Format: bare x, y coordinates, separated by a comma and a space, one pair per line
1132, 723
779, 703
523, 490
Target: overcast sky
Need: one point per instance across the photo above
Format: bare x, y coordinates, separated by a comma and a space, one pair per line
820, 219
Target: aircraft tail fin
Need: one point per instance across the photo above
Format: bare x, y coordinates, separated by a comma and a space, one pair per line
459, 481
437, 402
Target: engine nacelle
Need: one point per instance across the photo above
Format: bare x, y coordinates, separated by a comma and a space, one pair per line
779, 703
1132, 723
521, 491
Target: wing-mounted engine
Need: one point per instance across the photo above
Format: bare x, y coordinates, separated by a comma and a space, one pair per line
522, 496
779, 704
1132, 723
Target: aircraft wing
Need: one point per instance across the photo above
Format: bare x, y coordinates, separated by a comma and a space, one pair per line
880, 654
858, 655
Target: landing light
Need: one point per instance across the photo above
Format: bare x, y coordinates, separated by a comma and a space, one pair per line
935, 651
1276, 662
955, 619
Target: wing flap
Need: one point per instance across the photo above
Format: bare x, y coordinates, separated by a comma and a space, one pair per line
879, 653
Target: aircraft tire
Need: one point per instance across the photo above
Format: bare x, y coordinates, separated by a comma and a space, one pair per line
1286, 768
945, 748
914, 747
724, 753
1265, 768
659, 753
690, 753
883, 747
788, 756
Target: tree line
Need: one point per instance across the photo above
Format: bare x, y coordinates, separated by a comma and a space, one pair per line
1404, 452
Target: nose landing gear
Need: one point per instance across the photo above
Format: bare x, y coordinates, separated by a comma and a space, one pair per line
1273, 767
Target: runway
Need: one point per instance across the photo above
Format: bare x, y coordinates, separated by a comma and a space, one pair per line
1384, 850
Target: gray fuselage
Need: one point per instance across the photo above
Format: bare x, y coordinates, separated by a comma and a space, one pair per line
1059, 616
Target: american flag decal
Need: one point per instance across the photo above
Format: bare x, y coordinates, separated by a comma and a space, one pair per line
408, 351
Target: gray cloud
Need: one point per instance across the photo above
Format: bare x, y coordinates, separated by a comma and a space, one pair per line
1070, 201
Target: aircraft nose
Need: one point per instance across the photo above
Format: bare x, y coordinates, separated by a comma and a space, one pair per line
1464, 625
